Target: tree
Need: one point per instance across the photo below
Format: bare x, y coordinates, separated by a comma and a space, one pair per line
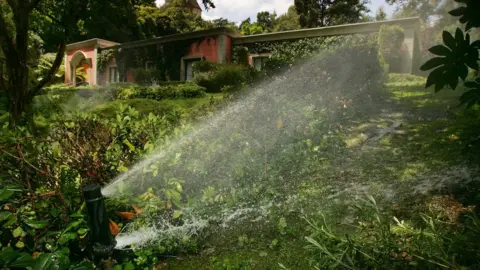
223, 22
288, 21
144, 3
454, 59
14, 41
247, 28
266, 20
153, 22
381, 15
314, 13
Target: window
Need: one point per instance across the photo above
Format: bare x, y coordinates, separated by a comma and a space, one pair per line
150, 65
259, 62
188, 68
113, 75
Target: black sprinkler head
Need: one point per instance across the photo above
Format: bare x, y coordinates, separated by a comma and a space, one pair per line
101, 240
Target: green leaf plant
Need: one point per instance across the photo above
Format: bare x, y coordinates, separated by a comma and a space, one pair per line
458, 54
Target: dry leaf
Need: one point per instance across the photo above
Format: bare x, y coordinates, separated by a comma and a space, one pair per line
279, 123
126, 215
137, 210
35, 254
114, 230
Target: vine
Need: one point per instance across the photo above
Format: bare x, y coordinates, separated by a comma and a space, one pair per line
103, 58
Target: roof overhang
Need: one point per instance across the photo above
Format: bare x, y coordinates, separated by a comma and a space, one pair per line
176, 37
337, 30
94, 42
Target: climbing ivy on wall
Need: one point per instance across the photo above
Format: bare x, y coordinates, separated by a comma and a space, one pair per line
286, 53
103, 58
165, 56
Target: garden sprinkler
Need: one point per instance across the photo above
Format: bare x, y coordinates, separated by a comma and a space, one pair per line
101, 240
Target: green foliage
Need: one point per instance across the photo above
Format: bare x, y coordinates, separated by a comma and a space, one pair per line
216, 76
468, 14
147, 76
403, 80
287, 21
240, 55
315, 13
381, 15
390, 46
382, 240
454, 60
165, 91
45, 64
103, 57
457, 56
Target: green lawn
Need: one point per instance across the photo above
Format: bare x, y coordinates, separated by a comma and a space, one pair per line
146, 106
433, 135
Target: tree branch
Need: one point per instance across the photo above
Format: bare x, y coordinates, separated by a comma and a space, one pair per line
53, 69
55, 20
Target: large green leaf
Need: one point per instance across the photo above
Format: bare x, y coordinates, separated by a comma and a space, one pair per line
82, 266
433, 63
37, 224
5, 216
472, 95
449, 40
5, 194
64, 238
440, 50
8, 255
43, 261
468, 14
24, 261
454, 64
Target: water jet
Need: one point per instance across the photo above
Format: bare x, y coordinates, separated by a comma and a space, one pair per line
102, 243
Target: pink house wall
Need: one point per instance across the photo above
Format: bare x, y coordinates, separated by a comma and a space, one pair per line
206, 48
228, 49
89, 52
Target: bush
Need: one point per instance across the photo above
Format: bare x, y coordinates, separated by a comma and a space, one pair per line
159, 92
148, 76
391, 47
215, 76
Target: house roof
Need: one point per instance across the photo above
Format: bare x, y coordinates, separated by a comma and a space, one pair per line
344, 29
237, 39
176, 37
94, 42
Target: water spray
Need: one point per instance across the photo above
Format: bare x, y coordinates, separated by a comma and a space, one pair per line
101, 240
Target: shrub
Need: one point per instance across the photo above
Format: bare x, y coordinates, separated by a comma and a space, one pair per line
159, 92
148, 76
391, 47
215, 77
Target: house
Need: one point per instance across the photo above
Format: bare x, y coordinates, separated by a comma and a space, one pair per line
214, 45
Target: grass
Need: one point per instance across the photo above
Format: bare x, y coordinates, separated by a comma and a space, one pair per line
434, 135
146, 106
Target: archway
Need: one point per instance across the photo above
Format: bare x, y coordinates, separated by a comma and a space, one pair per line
80, 68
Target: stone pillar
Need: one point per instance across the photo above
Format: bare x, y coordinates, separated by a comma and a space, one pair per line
73, 75
222, 49
66, 64
94, 71
411, 59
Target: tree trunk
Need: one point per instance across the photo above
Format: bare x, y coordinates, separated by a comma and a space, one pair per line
17, 87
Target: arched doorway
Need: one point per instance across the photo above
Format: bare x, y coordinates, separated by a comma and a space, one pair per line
80, 69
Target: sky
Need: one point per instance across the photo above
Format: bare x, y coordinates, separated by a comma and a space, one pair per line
239, 10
